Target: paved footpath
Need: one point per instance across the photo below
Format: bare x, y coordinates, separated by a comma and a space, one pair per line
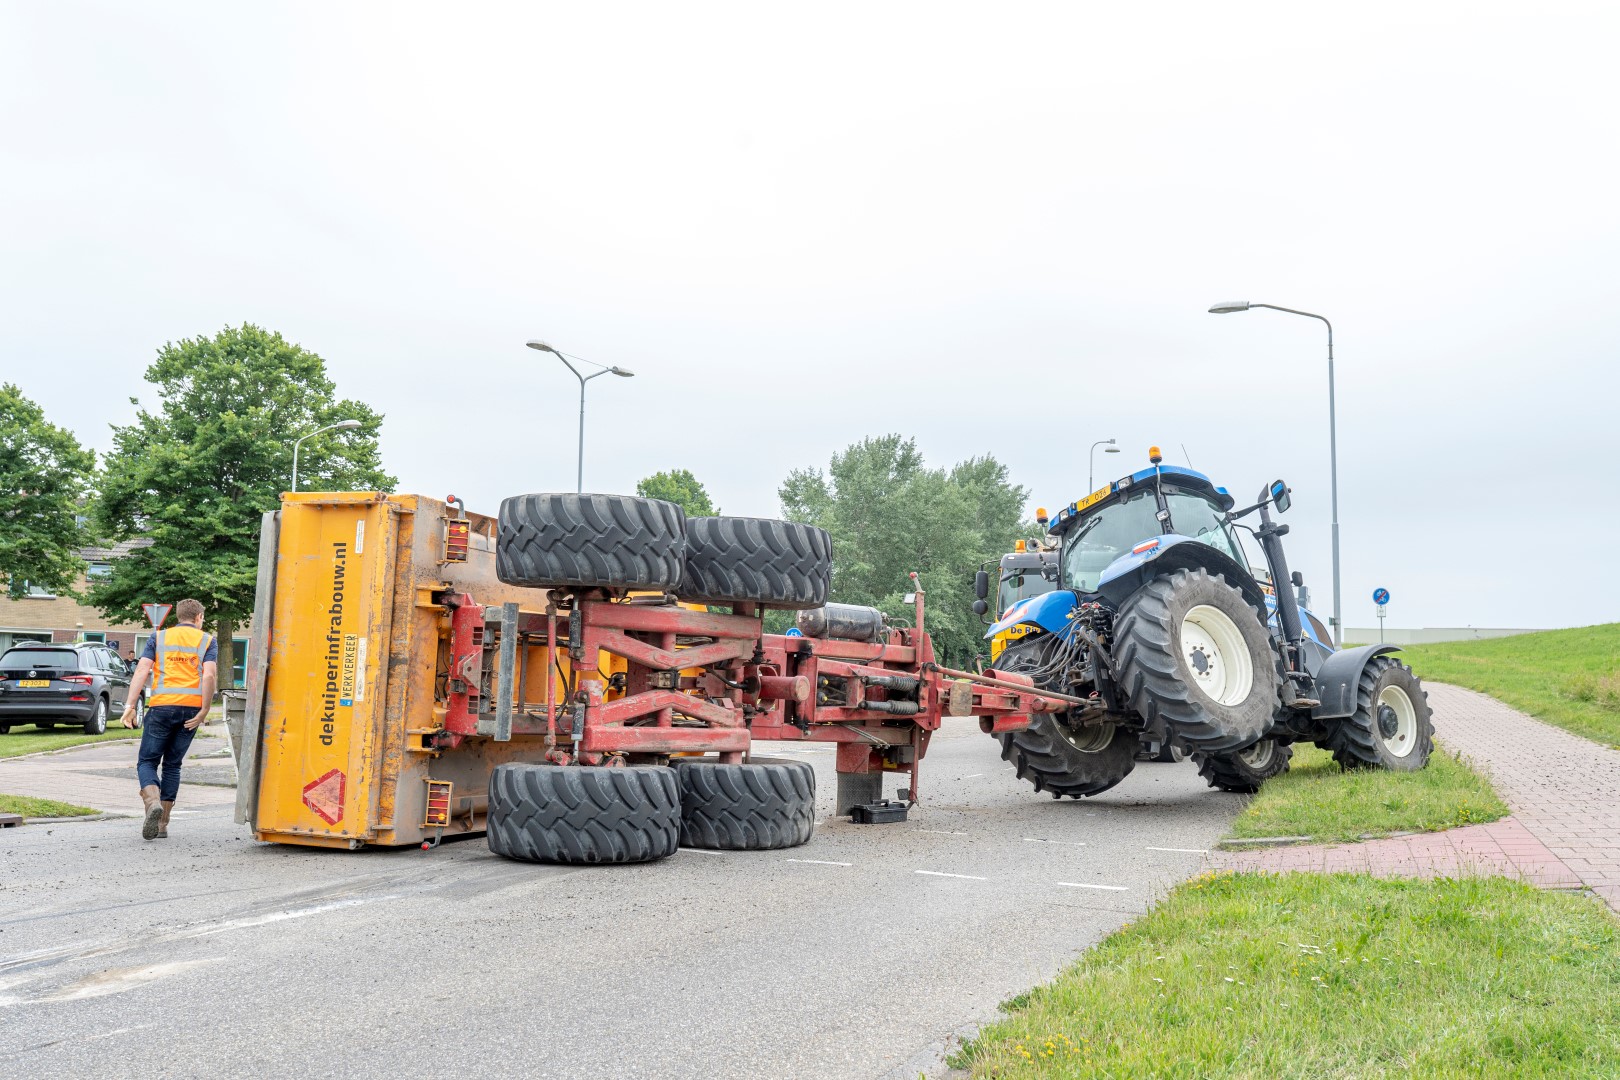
102, 776
1564, 791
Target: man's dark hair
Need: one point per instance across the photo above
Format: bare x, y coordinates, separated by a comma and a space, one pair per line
188, 610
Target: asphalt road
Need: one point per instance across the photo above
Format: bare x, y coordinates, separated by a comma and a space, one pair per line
860, 954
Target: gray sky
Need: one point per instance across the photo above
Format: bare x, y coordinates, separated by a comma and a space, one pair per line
996, 228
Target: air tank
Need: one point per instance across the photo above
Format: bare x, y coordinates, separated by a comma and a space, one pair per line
846, 622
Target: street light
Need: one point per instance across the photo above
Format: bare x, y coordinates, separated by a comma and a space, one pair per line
1092, 457
341, 425
1333, 440
540, 346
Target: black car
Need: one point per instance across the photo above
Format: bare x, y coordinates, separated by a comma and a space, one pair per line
45, 685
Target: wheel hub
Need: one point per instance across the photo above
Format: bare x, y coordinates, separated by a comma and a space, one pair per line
1388, 722
1200, 662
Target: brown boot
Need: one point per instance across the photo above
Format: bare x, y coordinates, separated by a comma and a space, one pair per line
163, 824
153, 800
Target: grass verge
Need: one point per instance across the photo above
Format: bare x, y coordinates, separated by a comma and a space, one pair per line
1343, 975
31, 740
28, 806
1315, 798
1570, 678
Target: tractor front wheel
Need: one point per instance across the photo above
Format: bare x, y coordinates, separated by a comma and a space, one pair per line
1392, 727
1245, 770
1190, 649
1056, 756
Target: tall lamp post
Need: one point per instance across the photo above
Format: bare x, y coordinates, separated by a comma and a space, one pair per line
1333, 440
341, 425
1091, 459
579, 482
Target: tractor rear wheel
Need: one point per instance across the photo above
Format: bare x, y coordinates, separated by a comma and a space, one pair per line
780, 564
584, 814
1245, 770
761, 806
1190, 649
594, 541
1053, 755
1392, 727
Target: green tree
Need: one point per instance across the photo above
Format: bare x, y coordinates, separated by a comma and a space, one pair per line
44, 479
196, 474
679, 487
889, 514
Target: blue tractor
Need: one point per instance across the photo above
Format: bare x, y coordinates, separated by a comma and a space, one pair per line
1161, 628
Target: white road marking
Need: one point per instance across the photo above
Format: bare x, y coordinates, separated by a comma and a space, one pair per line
209, 929
1181, 850
942, 832
973, 776
939, 873
1066, 843
696, 851
1083, 885
821, 862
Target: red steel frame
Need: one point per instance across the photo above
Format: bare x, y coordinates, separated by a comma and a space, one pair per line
704, 682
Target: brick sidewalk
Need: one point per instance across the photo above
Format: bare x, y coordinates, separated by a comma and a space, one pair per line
1564, 791
77, 776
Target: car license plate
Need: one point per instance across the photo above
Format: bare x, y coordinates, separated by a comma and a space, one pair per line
34, 684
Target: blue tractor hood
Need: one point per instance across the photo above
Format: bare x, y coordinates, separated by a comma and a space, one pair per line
1050, 611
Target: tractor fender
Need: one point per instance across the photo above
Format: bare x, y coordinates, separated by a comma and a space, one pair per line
1049, 611
1338, 677
1172, 552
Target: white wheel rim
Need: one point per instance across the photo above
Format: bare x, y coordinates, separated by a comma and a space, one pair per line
1404, 741
1216, 656
1090, 739
1258, 756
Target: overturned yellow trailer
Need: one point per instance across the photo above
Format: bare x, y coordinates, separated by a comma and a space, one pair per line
344, 733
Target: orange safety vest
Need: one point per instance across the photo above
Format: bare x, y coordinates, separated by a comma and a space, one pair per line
177, 667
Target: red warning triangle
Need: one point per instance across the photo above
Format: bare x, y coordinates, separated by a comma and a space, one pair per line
325, 796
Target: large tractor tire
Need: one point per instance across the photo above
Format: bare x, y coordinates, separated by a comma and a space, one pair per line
780, 564
590, 541
1054, 756
1189, 648
1392, 727
584, 814
764, 805
1245, 770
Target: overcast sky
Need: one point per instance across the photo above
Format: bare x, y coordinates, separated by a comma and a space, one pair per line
994, 227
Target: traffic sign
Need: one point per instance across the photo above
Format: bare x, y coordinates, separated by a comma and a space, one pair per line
1383, 609
1380, 596
156, 613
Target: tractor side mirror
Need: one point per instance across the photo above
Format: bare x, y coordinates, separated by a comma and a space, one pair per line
1298, 579
981, 585
980, 607
1049, 572
1281, 497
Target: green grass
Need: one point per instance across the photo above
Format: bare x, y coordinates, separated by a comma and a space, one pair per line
1315, 798
1570, 678
1304, 975
30, 740
31, 807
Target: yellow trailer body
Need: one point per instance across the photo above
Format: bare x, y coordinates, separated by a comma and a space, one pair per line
347, 673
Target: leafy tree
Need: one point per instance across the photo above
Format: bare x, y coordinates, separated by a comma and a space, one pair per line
196, 474
44, 478
889, 514
681, 488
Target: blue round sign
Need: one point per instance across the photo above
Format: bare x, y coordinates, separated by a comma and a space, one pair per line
1380, 596
793, 631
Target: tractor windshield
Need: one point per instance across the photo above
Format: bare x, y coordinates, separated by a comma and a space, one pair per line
1021, 584
1114, 529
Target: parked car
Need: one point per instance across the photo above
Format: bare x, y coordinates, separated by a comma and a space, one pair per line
46, 685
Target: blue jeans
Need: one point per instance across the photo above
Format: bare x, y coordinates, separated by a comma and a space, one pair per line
164, 739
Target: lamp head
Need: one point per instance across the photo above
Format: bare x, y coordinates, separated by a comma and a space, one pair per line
541, 346
345, 425
1229, 306
1110, 449
622, 373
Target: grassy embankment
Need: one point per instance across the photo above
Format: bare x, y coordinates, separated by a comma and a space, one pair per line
1316, 799
30, 740
1305, 975
1570, 678
31, 807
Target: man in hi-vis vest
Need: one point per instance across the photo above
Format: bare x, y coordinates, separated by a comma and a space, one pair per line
181, 662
